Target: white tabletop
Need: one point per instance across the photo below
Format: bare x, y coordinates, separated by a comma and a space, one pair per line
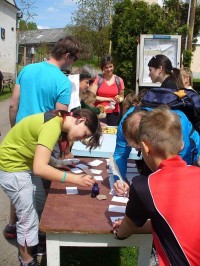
108, 143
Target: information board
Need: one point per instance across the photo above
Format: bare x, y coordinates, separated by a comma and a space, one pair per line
151, 45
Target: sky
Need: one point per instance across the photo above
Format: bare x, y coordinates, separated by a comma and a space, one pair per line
52, 13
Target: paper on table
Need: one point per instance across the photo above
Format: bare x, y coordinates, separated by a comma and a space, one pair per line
131, 164
132, 170
113, 219
81, 165
98, 177
95, 163
71, 190
76, 170
95, 171
115, 208
120, 199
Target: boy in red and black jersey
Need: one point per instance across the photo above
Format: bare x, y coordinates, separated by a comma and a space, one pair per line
167, 202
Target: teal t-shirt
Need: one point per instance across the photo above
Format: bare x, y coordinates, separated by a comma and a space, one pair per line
17, 149
41, 86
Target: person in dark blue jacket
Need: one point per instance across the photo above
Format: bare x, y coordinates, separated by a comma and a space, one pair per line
189, 153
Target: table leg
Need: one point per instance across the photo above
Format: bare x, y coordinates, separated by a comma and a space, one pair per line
53, 249
145, 248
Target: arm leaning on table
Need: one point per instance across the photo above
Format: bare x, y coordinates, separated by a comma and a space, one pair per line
122, 150
42, 168
123, 228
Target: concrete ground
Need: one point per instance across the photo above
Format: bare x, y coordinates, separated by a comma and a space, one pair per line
8, 249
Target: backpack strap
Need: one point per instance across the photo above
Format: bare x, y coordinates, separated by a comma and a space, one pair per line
100, 80
117, 81
48, 116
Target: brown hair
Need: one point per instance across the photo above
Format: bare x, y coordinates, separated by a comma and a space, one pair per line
163, 61
130, 127
66, 45
106, 60
92, 122
161, 128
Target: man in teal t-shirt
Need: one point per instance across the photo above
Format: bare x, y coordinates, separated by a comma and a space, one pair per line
42, 87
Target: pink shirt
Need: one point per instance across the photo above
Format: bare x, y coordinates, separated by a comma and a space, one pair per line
109, 91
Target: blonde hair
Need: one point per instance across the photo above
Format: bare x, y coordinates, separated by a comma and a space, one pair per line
161, 128
131, 99
88, 97
186, 72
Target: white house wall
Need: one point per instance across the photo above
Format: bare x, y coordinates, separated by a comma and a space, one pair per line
8, 45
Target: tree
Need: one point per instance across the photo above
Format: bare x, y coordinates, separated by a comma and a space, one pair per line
133, 18
93, 17
23, 25
27, 7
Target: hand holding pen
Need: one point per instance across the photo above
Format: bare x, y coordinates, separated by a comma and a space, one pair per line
121, 188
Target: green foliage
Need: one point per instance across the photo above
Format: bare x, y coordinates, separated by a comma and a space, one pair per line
187, 55
27, 7
92, 22
133, 18
23, 25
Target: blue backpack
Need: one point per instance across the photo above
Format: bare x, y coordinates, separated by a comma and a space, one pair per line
186, 100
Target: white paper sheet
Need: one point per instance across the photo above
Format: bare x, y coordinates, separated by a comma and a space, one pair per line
81, 165
114, 218
95, 163
120, 199
116, 208
132, 170
76, 170
74, 100
95, 171
98, 177
131, 164
71, 190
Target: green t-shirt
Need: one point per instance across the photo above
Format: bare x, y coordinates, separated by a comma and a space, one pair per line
17, 149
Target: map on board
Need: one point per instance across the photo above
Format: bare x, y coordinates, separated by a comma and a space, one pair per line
157, 44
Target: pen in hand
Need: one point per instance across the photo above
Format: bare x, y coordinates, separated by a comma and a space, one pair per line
116, 172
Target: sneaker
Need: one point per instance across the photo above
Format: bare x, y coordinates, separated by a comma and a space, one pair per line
10, 231
31, 263
39, 250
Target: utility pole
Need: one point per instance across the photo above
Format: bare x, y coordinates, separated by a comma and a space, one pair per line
191, 12
110, 22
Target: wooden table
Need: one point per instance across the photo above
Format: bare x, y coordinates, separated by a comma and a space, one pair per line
81, 221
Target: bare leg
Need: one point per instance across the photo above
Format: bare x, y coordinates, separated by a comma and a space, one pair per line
25, 253
13, 217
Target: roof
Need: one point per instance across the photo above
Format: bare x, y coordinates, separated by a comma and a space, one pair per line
41, 36
12, 2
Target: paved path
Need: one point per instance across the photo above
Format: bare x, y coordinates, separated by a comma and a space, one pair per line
8, 250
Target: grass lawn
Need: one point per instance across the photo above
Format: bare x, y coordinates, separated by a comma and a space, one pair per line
5, 94
76, 256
